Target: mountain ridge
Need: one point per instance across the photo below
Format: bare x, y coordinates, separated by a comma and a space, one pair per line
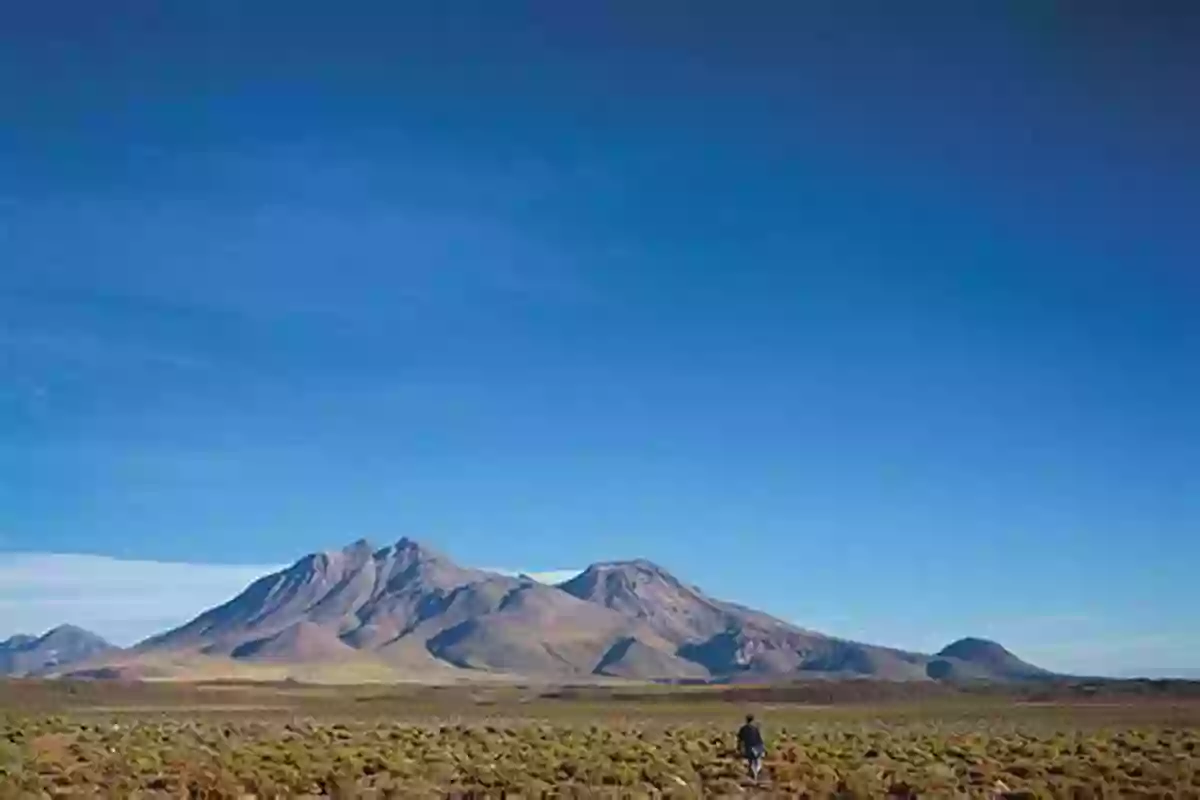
408, 608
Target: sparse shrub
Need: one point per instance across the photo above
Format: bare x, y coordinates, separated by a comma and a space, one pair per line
594, 754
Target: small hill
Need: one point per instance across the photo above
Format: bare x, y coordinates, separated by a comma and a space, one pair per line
17, 642
64, 645
981, 659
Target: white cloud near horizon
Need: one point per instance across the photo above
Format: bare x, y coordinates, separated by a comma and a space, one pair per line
127, 600
122, 600
545, 576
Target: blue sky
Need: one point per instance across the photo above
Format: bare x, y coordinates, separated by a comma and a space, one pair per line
885, 324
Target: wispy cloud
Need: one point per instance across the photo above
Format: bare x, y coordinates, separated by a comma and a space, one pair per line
122, 600
127, 600
542, 576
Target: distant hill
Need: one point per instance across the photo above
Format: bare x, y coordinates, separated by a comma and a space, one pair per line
59, 647
409, 611
981, 659
1164, 673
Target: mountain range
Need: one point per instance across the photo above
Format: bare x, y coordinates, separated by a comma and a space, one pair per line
407, 611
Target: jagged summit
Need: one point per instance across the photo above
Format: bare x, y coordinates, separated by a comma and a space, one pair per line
361, 592
404, 548
415, 550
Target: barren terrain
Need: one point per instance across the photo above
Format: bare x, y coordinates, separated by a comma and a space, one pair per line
77, 739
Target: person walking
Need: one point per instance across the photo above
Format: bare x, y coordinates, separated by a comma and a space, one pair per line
751, 746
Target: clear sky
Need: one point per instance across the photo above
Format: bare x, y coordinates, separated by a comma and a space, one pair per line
885, 323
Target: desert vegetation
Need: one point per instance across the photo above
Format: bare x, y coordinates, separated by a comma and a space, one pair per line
239, 741
172, 758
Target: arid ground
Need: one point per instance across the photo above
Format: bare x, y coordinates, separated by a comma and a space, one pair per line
88, 739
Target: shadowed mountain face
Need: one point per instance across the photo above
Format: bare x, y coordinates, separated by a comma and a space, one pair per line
412, 609
980, 659
61, 646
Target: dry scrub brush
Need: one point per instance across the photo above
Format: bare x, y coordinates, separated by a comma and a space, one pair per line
160, 756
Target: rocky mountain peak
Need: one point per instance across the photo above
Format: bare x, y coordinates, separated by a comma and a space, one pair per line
646, 591
407, 551
628, 574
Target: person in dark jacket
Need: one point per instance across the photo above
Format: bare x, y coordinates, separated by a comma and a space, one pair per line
751, 746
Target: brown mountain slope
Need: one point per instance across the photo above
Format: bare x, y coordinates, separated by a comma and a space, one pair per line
728, 640
408, 605
304, 641
633, 658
